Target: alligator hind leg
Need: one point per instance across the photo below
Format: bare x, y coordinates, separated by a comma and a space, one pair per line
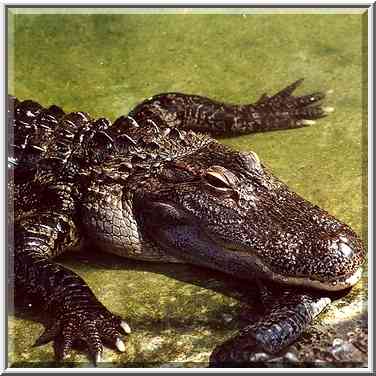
283, 322
280, 111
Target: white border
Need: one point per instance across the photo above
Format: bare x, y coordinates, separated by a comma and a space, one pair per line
370, 190
140, 3
162, 3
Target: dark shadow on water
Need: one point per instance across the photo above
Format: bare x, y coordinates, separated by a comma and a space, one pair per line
244, 291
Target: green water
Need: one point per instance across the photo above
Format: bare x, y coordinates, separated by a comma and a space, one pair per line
105, 64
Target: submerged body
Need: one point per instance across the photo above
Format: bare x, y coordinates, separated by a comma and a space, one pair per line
149, 187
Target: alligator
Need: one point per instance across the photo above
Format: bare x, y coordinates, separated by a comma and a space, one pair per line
156, 185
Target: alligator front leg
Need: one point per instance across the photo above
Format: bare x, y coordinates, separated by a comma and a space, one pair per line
281, 111
63, 297
283, 322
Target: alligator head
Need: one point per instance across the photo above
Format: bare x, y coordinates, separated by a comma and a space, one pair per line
223, 209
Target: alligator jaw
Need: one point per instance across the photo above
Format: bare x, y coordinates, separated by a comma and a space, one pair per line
336, 284
194, 245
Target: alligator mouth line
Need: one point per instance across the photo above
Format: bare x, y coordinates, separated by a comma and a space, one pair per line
335, 284
338, 283
243, 264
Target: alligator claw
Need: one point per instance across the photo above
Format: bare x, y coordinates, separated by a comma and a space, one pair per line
283, 110
97, 358
120, 345
92, 327
125, 327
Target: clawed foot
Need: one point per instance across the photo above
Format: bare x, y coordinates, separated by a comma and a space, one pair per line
93, 327
283, 323
283, 110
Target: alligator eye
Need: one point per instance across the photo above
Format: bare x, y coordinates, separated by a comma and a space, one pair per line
216, 181
219, 178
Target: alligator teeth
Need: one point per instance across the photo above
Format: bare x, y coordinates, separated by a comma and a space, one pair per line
125, 327
120, 345
327, 110
351, 281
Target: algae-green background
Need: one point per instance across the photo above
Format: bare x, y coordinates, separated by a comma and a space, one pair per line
106, 63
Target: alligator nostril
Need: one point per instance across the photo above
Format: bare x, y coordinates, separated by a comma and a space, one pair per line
345, 250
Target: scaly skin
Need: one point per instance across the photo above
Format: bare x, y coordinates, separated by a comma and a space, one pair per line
149, 187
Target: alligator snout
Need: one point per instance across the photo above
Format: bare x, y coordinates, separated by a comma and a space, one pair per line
341, 256
344, 246
345, 250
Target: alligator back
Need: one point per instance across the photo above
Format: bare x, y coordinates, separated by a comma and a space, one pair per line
30, 128
98, 164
